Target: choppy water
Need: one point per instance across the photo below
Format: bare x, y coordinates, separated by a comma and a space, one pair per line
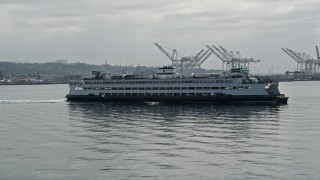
44, 137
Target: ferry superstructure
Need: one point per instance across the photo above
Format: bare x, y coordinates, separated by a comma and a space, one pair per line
168, 86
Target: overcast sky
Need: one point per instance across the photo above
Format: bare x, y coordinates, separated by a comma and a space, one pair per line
123, 31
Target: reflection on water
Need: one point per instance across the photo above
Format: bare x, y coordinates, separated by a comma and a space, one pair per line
165, 137
173, 117
93, 110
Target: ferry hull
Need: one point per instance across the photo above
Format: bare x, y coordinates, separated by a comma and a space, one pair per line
181, 99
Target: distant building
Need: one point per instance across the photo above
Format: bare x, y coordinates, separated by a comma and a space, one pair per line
62, 61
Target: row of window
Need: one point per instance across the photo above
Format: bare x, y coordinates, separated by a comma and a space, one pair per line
164, 88
158, 82
154, 94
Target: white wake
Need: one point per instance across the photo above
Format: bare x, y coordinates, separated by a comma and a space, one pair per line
19, 101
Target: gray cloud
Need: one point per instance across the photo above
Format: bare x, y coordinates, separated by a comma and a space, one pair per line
124, 31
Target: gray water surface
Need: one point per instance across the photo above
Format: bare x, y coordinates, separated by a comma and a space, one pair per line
44, 137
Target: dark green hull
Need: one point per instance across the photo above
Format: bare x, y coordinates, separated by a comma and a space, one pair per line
278, 99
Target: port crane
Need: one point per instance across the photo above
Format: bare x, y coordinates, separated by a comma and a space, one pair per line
231, 59
305, 63
185, 62
298, 57
223, 57
317, 63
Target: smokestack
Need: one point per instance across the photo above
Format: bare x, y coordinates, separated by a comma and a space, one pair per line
317, 52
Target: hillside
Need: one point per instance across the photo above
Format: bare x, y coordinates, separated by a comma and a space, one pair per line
59, 69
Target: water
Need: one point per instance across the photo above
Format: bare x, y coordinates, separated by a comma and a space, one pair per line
44, 137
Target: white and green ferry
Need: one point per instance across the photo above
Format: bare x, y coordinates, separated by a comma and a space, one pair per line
168, 86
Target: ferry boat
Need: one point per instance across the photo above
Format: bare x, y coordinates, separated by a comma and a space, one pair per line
168, 86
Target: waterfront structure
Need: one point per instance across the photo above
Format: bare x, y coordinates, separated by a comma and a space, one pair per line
231, 59
306, 65
185, 64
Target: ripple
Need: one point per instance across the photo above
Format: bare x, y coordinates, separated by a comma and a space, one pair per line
52, 138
